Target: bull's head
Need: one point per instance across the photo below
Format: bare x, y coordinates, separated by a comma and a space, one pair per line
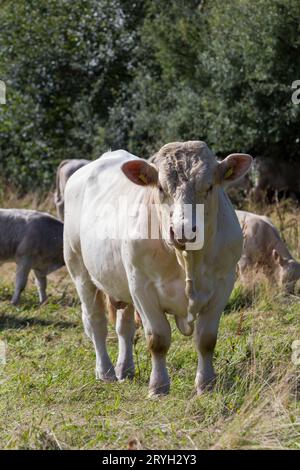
186, 174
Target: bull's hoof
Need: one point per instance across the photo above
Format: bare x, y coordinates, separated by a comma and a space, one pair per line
124, 372
108, 376
156, 392
206, 387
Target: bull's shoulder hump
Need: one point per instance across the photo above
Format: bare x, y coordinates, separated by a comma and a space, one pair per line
116, 157
108, 162
109, 165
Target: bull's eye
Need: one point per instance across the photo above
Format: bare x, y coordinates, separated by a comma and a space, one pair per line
160, 189
210, 188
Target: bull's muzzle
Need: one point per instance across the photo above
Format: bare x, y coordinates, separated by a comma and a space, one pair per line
180, 241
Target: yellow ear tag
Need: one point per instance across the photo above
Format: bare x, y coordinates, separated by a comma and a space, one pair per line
143, 178
228, 173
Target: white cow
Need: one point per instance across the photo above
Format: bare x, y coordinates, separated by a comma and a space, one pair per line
265, 251
154, 276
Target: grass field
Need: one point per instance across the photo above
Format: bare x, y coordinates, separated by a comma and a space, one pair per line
49, 398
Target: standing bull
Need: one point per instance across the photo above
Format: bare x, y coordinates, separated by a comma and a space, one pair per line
65, 169
34, 240
154, 276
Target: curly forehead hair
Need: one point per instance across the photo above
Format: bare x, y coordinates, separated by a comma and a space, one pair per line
185, 157
176, 148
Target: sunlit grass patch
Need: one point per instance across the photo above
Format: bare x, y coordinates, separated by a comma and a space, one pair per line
49, 397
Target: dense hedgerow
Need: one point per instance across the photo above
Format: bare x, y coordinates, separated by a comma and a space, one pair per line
88, 75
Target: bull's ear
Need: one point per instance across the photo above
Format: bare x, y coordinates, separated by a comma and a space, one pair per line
140, 172
233, 167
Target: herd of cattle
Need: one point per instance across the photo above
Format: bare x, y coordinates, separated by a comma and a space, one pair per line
154, 277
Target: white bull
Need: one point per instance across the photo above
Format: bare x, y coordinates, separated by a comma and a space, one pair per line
154, 276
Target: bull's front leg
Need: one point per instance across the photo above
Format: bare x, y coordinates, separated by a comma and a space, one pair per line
158, 335
205, 339
206, 332
158, 341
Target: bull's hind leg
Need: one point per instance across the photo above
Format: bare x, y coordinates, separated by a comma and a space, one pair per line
23, 268
125, 328
95, 326
93, 315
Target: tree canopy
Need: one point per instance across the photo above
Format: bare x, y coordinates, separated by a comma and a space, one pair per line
88, 75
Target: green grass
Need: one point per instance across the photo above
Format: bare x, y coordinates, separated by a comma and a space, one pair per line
50, 399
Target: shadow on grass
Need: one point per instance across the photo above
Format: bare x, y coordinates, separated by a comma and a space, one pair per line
14, 322
29, 298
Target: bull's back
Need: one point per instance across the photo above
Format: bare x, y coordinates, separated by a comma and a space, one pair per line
88, 231
92, 185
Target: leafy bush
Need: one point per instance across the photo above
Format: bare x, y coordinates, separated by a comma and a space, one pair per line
89, 75
62, 63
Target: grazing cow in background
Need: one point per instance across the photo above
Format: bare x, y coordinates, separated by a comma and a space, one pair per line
275, 178
65, 169
264, 250
34, 240
154, 276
